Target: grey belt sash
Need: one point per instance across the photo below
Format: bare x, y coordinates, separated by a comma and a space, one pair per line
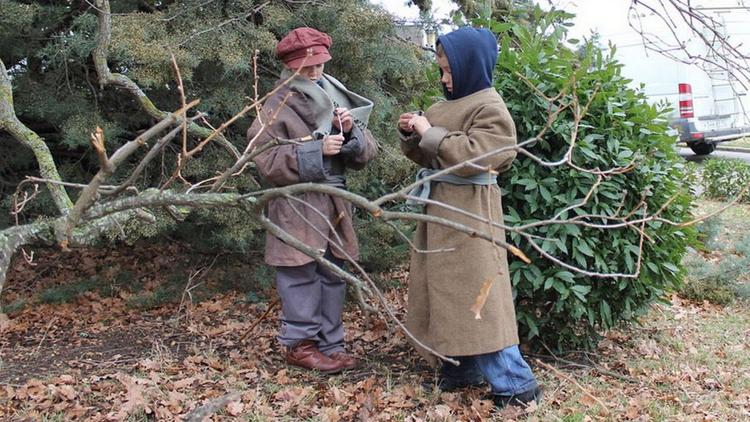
423, 191
338, 181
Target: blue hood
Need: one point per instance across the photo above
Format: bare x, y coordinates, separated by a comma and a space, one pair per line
472, 54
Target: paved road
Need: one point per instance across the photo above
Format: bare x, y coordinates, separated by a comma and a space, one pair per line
690, 155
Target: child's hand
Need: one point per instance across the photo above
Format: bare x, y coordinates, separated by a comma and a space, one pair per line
403, 122
420, 124
332, 144
343, 117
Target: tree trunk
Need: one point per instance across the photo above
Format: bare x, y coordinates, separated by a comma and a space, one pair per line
10, 123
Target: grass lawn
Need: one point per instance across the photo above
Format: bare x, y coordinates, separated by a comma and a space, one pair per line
738, 143
687, 362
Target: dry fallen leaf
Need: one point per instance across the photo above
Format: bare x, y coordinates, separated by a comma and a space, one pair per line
183, 383
532, 407
341, 397
632, 412
4, 323
442, 411
67, 392
66, 379
134, 399
330, 414
587, 400
282, 378
235, 408
481, 299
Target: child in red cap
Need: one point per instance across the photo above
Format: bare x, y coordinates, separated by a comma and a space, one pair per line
331, 123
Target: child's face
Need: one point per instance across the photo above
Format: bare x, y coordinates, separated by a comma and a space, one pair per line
312, 73
447, 78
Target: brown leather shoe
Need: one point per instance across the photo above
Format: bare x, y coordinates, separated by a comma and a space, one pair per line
348, 361
306, 355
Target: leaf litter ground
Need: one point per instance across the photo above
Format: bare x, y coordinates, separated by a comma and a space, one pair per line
116, 353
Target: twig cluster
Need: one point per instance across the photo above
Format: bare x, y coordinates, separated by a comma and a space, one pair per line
715, 51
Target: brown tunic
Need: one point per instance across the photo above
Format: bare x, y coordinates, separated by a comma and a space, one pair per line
290, 164
444, 286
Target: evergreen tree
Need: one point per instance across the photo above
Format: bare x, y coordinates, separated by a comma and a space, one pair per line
48, 48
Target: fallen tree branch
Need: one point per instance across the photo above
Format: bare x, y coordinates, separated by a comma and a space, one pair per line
593, 366
250, 330
88, 195
213, 406
559, 374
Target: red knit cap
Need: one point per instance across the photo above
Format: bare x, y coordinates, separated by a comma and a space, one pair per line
304, 45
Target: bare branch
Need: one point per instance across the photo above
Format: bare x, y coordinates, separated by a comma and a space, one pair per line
678, 16
224, 23
106, 77
413, 246
152, 153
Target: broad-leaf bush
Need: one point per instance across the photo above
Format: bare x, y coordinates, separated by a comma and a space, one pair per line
724, 179
554, 304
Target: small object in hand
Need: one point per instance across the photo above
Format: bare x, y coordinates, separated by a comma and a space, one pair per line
341, 124
411, 122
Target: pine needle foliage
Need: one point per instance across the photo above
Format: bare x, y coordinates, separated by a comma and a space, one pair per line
47, 46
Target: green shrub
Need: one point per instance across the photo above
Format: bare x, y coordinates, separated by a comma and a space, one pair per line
264, 277
714, 290
709, 231
382, 248
68, 292
693, 172
719, 283
554, 304
14, 307
244, 274
723, 179
742, 291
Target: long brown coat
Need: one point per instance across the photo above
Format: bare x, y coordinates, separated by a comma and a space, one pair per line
290, 164
443, 286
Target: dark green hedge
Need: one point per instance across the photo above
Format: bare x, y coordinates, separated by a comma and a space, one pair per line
556, 305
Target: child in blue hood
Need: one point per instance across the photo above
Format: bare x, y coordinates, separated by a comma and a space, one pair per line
445, 283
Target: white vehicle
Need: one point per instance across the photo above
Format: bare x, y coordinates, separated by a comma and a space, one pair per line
709, 99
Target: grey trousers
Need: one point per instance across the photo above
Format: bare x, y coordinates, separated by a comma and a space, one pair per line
312, 300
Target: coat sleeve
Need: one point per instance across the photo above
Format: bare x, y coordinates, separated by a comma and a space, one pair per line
410, 147
360, 147
492, 128
285, 164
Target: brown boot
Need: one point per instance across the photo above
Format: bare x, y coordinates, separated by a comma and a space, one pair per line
348, 361
306, 355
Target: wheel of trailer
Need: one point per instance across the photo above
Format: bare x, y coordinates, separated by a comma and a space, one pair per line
702, 147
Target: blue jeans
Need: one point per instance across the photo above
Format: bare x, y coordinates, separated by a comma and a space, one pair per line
505, 370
